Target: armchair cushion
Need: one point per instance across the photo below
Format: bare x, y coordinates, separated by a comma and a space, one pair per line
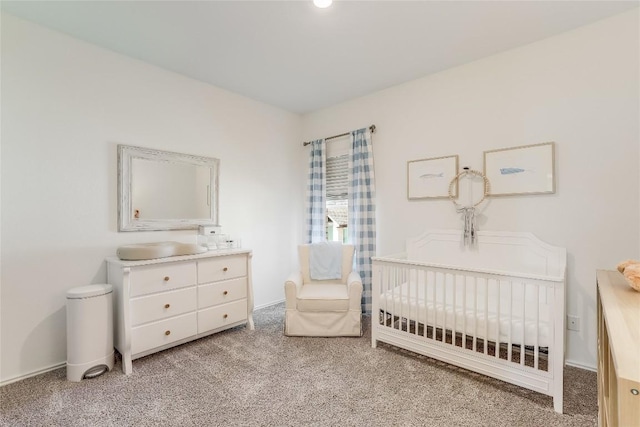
323, 297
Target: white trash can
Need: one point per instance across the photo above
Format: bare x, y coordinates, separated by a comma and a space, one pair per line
89, 331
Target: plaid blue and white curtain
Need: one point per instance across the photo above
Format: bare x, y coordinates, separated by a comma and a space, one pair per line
362, 209
316, 193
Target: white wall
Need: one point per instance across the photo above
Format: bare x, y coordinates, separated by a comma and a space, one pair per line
579, 89
65, 106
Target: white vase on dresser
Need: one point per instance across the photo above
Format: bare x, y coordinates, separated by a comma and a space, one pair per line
161, 303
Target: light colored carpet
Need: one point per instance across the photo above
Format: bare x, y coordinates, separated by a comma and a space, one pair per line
262, 378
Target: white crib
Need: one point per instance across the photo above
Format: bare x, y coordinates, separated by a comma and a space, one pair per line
496, 309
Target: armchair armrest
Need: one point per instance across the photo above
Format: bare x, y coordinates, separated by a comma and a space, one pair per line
354, 287
291, 288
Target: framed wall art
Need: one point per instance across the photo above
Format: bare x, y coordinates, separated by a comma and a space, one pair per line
528, 169
430, 178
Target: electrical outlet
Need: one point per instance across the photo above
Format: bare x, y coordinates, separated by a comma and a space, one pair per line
573, 323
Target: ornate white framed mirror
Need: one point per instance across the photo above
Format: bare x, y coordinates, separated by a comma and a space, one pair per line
163, 190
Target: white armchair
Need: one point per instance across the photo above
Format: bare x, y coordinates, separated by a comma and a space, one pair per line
325, 308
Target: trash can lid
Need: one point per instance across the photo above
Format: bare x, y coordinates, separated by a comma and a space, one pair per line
89, 291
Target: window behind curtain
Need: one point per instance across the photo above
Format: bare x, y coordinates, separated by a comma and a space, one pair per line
337, 169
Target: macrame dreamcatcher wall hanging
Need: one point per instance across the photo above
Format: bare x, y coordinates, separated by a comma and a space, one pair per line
469, 212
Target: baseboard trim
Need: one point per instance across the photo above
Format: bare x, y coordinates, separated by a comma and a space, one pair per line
269, 304
580, 365
33, 374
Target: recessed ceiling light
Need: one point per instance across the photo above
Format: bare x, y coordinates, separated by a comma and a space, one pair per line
322, 3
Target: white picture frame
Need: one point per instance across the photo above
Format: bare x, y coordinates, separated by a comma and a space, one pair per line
528, 169
430, 178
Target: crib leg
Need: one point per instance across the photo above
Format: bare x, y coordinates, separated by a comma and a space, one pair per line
374, 341
374, 326
557, 403
558, 385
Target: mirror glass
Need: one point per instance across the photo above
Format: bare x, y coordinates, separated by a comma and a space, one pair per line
162, 190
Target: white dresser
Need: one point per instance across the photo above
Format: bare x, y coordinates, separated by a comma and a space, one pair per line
161, 303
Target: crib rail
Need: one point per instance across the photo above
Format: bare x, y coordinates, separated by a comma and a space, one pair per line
504, 326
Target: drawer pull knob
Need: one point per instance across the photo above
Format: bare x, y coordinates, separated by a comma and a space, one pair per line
167, 332
166, 278
225, 293
167, 305
225, 316
225, 269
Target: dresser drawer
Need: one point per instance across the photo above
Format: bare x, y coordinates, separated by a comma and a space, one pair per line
222, 268
222, 315
160, 306
150, 279
164, 332
222, 292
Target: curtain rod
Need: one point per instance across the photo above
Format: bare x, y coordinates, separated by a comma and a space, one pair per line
372, 128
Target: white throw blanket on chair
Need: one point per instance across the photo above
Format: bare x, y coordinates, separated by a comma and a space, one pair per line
325, 260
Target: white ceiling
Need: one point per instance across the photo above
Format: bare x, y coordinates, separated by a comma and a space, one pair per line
295, 56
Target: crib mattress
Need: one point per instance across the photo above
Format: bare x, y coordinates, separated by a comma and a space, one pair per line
500, 321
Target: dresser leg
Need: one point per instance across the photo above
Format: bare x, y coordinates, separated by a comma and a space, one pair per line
250, 323
127, 366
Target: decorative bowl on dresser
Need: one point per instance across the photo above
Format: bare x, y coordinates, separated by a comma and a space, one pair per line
618, 351
161, 303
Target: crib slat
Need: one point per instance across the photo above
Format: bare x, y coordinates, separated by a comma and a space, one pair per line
536, 354
454, 308
391, 288
510, 342
464, 311
385, 288
438, 310
475, 312
418, 320
394, 313
383, 281
497, 341
445, 285
407, 298
385, 285
444, 307
405, 279
425, 277
486, 315
410, 297
416, 302
524, 317
419, 284
398, 311
435, 308
426, 282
